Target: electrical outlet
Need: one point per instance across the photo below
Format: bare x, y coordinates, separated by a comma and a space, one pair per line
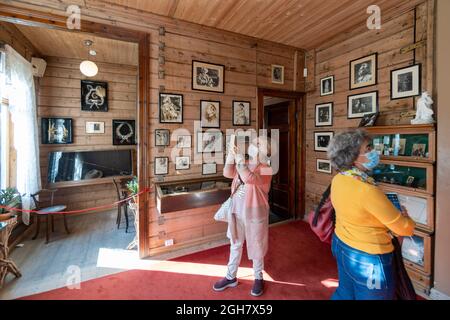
169, 242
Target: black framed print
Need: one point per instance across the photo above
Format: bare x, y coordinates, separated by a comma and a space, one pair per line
182, 163
241, 113
184, 141
369, 120
162, 137
161, 165
209, 168
56, 131
124, 132
324, 114
406, 82
209, 141
209, 114
322, 140
362, 104
208, 76
277, 74
170, 108
327, 86
363, 71
323, 166
94, 96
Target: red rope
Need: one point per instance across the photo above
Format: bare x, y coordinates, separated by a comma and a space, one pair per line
82, 210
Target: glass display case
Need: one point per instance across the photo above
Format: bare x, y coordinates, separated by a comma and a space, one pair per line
189, 194
416, 251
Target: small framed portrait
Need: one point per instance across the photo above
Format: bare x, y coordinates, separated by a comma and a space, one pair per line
369, 120
56, 131
161, 165
324, 166
95, 127
209, 114
241, 113
363, 72
209, 168
405, 82
124, 132
184, 141
327, 86
362, 104
419, 150
162, 137
277, 74
322, 140
94, 96
324, 114
409, 181
170, 108
208, 76
182, 163
209, 141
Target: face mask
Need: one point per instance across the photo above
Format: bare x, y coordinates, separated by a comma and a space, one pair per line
373, 160
253, 151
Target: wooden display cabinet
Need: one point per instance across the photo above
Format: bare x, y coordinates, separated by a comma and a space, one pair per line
421, 282
417, 252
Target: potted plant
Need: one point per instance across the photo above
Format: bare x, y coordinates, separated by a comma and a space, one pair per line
11, 198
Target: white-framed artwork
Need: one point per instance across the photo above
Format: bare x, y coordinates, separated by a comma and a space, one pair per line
362, 104
209, 114
182, 163
241, 113
184, 141
277, 72
326, 86
95, 127
324, 114
209, 168
405, 82
322, 140
209, 141
161, 165
323, 166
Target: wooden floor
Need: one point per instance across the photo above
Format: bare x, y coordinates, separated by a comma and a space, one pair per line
45, 267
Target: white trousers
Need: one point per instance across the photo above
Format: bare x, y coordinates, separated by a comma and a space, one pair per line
236, 254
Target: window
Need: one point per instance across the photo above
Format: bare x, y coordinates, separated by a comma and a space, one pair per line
4, 128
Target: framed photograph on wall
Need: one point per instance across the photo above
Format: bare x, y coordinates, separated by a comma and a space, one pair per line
95, 127
56, 131
182, 163
406, 82
170, 108
324, 166
209, 168
326, 86
277, 72
363, 72
362, 104
184, 141
241, 113
209, 114
162, 137
324, 114
94, 96
161, 165
209, 141
124, 132
322, 140
208, 76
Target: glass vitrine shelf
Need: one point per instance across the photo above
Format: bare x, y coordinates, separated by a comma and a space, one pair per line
416, 252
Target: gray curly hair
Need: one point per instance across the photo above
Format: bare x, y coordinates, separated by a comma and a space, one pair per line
344, 148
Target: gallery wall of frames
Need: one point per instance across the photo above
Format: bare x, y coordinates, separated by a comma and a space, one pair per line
373, 79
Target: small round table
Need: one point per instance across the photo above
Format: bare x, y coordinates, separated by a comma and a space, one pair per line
7, 265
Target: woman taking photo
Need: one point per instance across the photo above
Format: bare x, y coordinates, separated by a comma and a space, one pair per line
362, 243
250, 210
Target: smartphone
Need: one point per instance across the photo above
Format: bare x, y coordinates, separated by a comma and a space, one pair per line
393, 197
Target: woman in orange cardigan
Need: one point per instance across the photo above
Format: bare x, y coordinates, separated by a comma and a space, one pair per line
362, 243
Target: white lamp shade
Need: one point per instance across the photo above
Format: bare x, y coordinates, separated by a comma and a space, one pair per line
88, 68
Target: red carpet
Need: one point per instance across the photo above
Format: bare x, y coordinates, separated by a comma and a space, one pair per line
300, 266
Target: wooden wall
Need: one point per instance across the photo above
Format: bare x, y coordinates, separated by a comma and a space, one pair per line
59, 96
333, 59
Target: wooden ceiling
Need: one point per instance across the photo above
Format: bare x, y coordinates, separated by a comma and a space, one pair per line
301, 23
50, 42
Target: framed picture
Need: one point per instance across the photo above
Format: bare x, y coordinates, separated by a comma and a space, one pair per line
94, 96
277, 74
363, 71
208, 76
209, 168
209, 141
241, 113
184, 142
95, 127
162, 137
405, 82
418, 150
362, 104
182, 163
161, 165
326, 86
124, 132
56, 131
369, 120
170, 108
209, 114
324, 114
324, 166
322, 140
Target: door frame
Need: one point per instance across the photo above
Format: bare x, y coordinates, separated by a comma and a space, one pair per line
297, 191
16, 15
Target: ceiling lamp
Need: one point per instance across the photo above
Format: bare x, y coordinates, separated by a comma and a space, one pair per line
87, 67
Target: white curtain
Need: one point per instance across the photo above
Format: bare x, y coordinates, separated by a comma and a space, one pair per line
22, 106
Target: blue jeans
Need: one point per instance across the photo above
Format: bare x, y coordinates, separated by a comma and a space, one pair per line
362, 276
